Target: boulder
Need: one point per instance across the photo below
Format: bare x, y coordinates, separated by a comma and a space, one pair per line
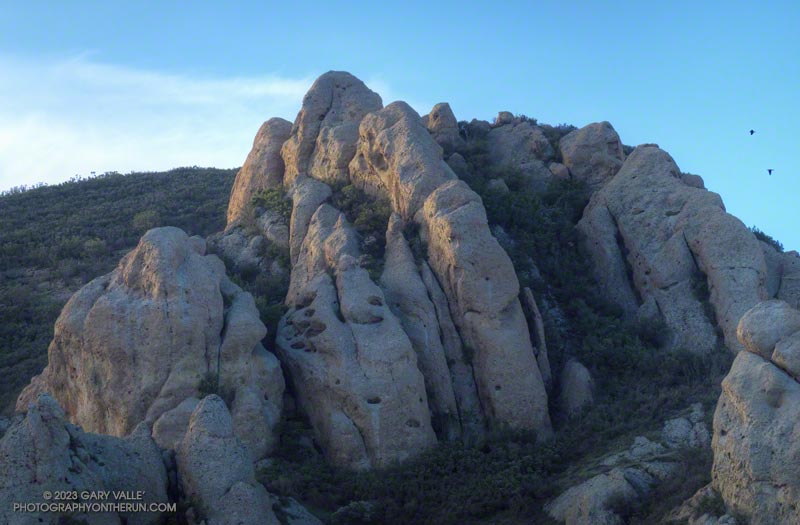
316, 147
43, 452
593, 153
650, 235
787, 355
263, 168
761, 327
133, 345
216, 470
577, 388
443, 126
523, 146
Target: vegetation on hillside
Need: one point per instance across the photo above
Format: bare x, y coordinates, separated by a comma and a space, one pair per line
54, 239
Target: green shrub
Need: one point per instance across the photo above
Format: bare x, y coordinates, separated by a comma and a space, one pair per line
276, 201
761, 236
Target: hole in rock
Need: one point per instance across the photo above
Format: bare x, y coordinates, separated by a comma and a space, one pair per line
375, 301
413, 423
374, 400
309, 312
298, 345
316, 328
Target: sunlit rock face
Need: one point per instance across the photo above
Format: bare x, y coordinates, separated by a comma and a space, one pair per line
133, 345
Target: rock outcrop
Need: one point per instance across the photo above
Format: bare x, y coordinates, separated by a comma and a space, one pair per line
131, 346
42, 452
354, 347
756, 438
592, 154
519, 144
263, 168
216, 471
443, 126
665, 249
577, 389
626, 478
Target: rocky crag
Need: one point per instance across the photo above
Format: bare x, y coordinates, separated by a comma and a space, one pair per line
401, 323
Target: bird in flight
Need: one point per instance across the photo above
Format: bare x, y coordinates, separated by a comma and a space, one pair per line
769, 171
752, 131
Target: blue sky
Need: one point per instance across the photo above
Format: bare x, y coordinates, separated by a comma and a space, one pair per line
101, 86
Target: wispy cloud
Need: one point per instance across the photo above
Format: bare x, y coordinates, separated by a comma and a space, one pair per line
75, 116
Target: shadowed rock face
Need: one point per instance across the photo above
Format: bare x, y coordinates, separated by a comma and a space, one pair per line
756, 438
664, 249
131, 346
42, 452
216, 469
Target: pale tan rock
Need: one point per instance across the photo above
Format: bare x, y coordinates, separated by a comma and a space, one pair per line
353, 367
787, 355
461, 371
307, 195
761, 327
443, 126
522, 146
408, 299
396, 158
695, 181
216, 470
577, 388
134, 344
335, 99
482, 289
42, 452
592, 153
263, 168
756, 442
672, 240
790, 279
587, 503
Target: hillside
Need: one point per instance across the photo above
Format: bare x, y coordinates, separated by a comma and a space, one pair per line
55, 239
405, 319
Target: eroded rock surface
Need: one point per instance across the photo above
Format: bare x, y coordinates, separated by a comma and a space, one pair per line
592, 154
42, 452
756, 437
263, 168
443, 126
521, 145
669, 248
216, 470
132, 345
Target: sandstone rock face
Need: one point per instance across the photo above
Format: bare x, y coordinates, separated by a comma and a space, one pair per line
593, 153
263, 168
408, 300
522, 145
482, 289
443, 126
756, 439
396, 158
216, 470
316, 147
132, 345
761, 327
44, 452
439, 341
653, 239
783, 274
353, 367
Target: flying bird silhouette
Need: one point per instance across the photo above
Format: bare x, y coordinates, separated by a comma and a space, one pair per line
769, 171
752, 131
